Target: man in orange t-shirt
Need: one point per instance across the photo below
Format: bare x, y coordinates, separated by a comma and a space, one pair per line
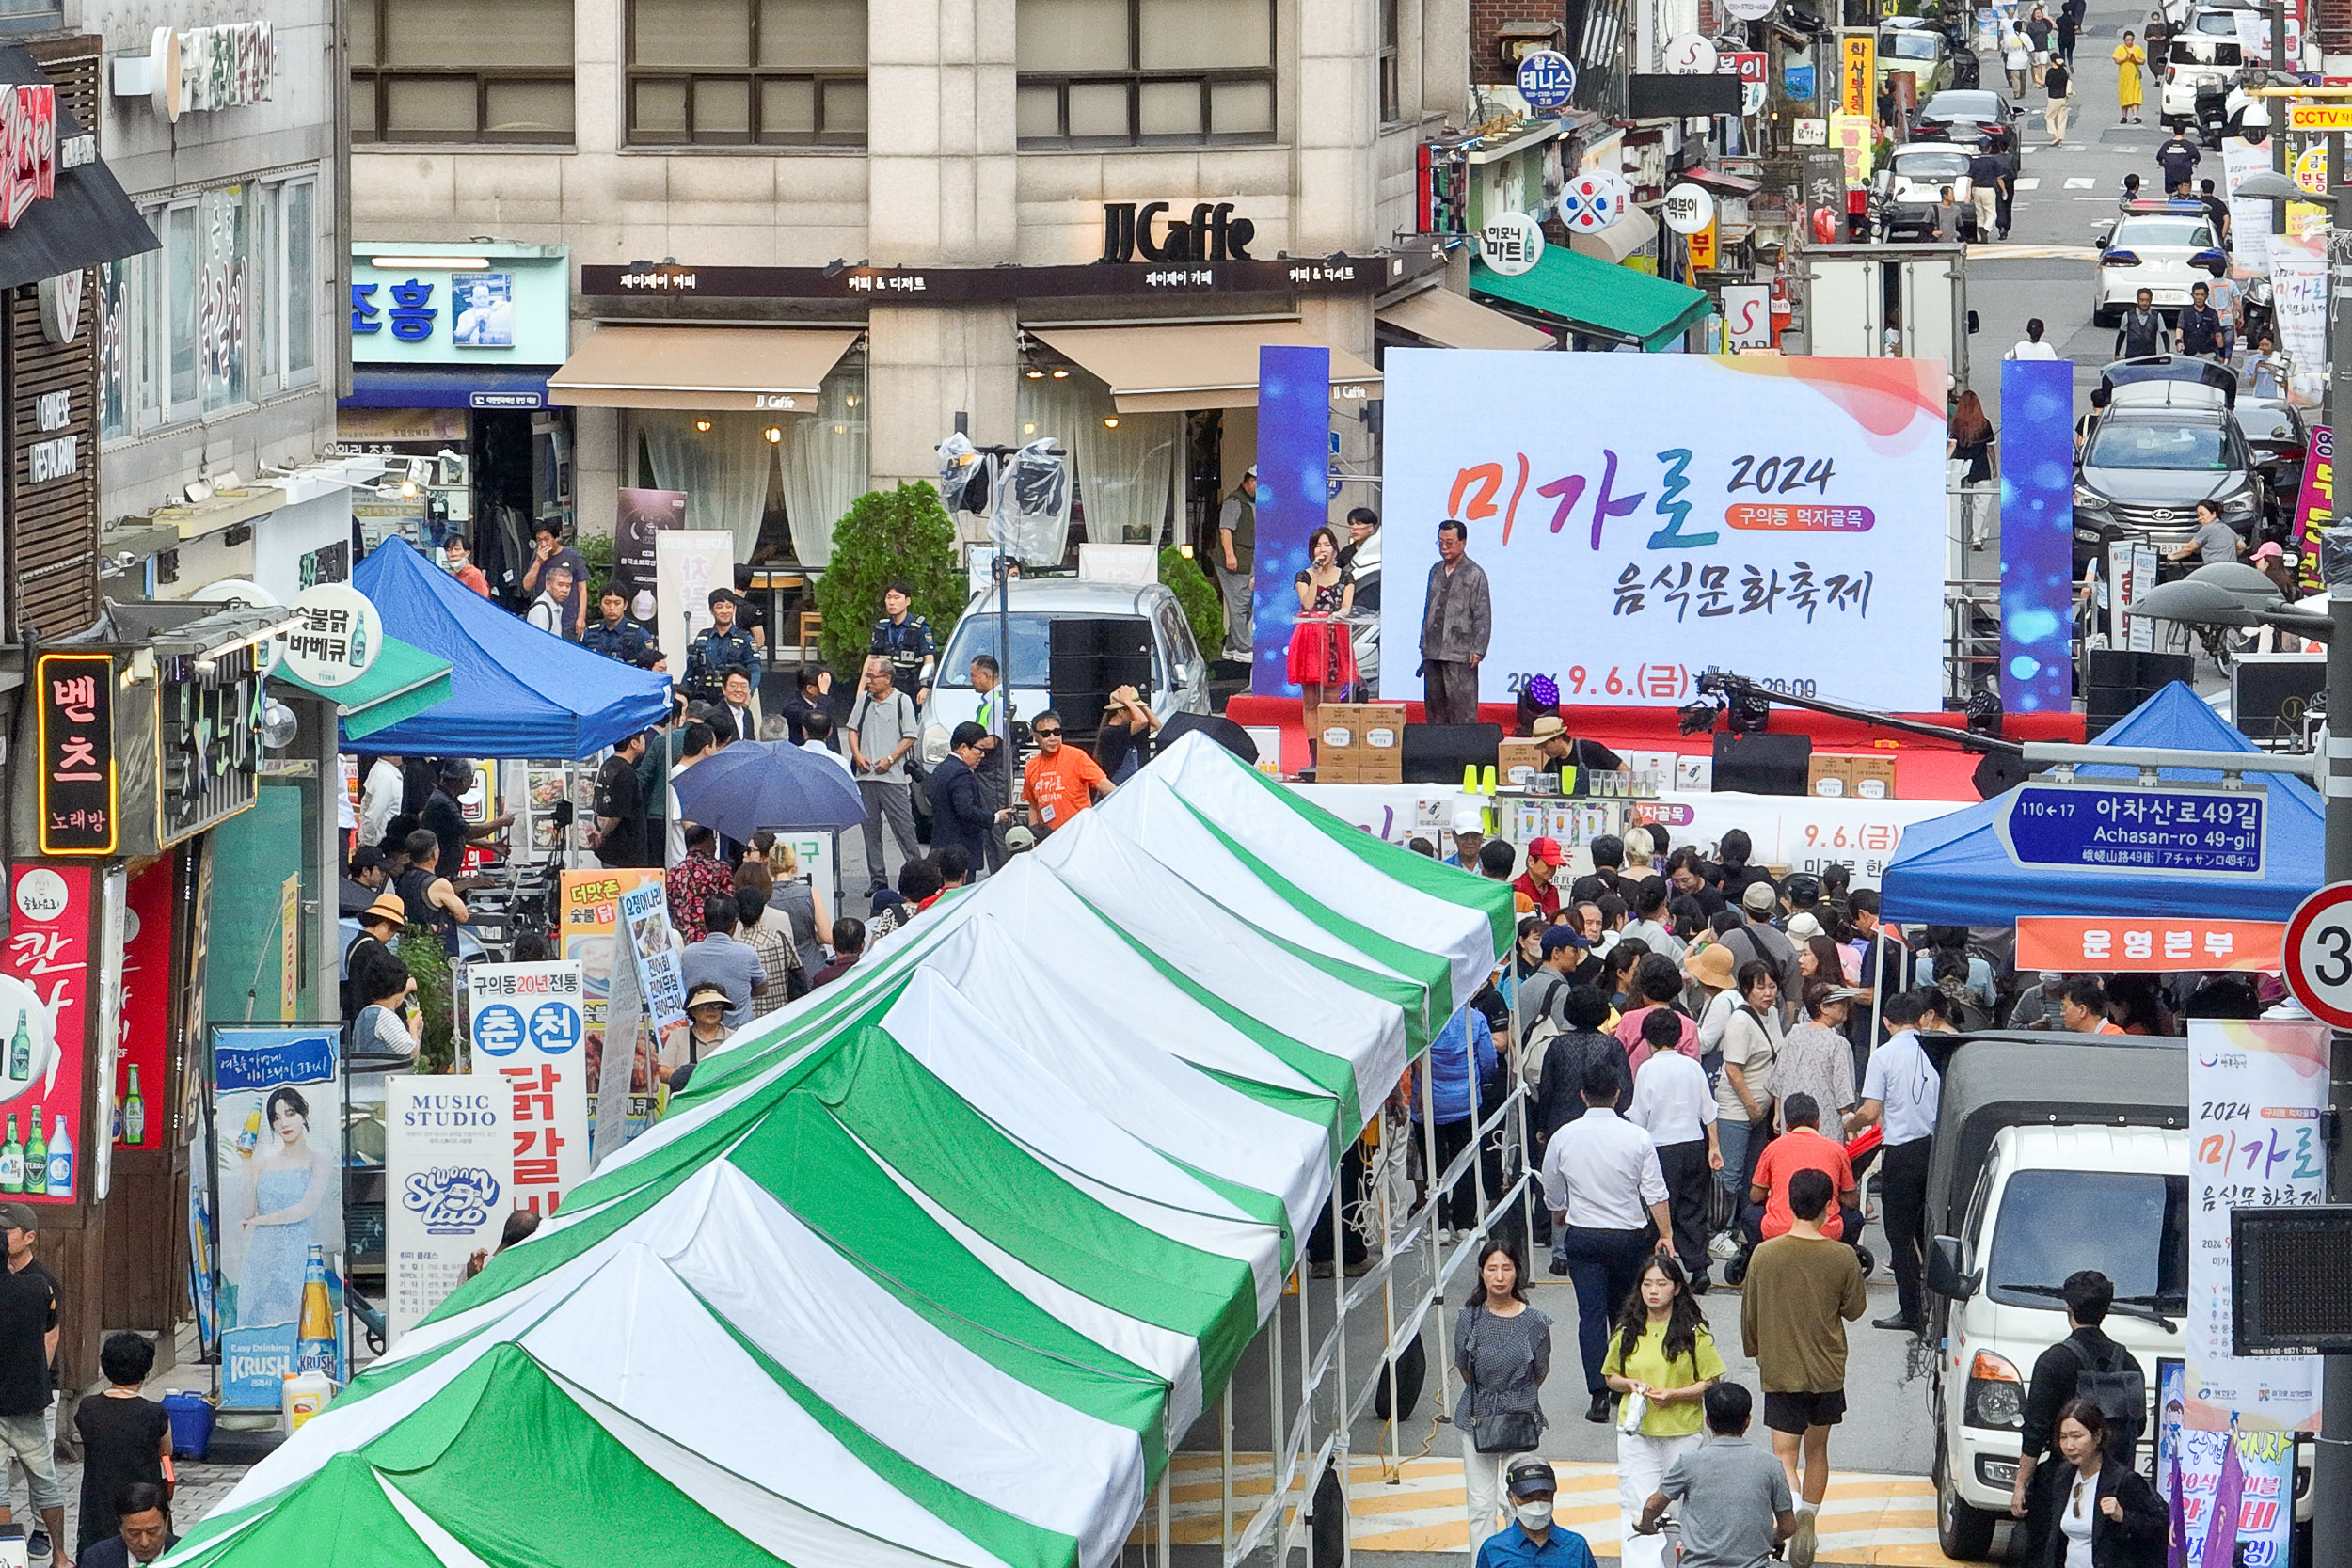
1801, 1147
1060, 781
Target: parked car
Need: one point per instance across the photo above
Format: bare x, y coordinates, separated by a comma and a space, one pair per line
1957, 39
1911, 187
2166, 248
2167, 441
1105, 633
1923, 52
1969, 116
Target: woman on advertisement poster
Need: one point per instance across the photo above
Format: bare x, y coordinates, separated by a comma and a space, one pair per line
289, 1179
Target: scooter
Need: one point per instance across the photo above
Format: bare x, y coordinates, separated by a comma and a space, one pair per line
2260, 311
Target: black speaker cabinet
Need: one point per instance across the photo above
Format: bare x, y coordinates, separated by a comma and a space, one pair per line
1437, 753
1763, 763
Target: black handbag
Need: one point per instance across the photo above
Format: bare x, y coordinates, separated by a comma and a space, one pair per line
1505, 1431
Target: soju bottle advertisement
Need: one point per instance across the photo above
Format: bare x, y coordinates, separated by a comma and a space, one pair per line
277, 1119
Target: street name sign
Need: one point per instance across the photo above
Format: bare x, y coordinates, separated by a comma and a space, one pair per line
2163, 831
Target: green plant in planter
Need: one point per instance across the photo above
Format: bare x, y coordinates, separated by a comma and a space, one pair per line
1204, 609
427, 961
597, 550
900, 532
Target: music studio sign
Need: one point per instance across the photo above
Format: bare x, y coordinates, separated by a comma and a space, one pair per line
1211, 233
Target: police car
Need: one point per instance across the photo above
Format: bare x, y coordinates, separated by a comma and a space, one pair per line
2167, 247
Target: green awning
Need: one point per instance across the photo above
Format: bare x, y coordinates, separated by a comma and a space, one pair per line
405, 681
1590, 295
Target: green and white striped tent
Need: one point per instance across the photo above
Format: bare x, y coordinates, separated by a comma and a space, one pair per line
936, 1264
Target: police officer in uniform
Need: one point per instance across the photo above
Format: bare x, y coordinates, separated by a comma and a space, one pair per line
905, 638
615, 634
724, 648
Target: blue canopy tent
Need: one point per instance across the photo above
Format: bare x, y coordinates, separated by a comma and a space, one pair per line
515, 691
1954, 871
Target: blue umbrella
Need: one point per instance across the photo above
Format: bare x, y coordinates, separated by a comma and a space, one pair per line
767, 783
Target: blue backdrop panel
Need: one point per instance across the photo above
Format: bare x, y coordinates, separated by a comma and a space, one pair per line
2037, 536
1294, 497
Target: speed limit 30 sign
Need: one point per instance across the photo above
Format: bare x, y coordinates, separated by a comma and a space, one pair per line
2319, 955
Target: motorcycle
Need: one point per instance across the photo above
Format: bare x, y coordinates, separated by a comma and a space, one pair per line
2260, 311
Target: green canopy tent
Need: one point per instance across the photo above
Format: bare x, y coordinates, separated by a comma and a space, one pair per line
935, 1264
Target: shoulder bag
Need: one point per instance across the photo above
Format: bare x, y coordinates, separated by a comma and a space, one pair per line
1505, 1431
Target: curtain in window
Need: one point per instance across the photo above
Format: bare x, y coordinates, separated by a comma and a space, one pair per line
724, 470
825, 464
1126, 473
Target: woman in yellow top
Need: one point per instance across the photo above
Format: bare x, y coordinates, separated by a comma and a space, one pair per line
1662, 1353
2129, 58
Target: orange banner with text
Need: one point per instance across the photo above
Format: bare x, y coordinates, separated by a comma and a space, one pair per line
2066, 942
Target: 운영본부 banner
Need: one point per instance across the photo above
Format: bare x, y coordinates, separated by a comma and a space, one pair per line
2257, 1089
278, 1120
1642, 519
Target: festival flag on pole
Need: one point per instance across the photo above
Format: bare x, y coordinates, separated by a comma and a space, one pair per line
2176, 1553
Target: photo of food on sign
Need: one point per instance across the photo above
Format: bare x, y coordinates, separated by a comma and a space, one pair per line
1791, 533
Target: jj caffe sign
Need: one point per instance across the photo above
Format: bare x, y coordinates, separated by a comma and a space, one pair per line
1144, 232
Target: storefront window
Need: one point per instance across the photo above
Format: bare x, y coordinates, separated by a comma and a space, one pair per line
184, 265
722, 73
225, 277
1143, 70
284, 305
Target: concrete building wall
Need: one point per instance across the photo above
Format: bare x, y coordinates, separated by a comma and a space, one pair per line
291, 132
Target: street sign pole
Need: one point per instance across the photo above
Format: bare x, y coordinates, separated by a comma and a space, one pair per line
2331, 1476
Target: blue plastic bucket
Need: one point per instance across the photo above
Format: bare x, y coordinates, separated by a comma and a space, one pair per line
191, 1416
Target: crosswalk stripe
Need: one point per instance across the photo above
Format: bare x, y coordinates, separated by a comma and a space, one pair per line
1881, 1520
2027, 182
2082, 183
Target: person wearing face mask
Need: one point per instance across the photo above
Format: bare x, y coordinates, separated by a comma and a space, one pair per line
1531, 1540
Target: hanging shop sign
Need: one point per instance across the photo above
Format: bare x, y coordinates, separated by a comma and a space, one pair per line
141, 1107
28, 149
1704, 249
80, 789
1687, 209
227, 66
1546, 79
1592, 200
1857, 87
1213, 233
1511, 244
339, 639
1690, 55
51, 944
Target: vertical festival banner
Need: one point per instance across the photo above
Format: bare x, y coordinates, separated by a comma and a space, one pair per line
278, 1157
589, 931
528, 1030
2036, 537
645, 913
2256, 1092
142, 1053
447, 1166
2265, 1459
44, 1055
1293, 498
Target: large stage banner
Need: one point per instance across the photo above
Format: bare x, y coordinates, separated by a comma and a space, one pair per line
1644, 517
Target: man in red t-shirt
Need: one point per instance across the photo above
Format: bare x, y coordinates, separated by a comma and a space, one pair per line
1801, 1147
1539, 884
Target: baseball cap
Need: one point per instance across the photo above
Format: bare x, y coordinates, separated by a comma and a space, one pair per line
1018, 839
1545, 850
2267, 552
1759, 897
1470, 819
1803, 927
367, 857
1252, 472
1557, 936
17, 1216
1546, 727
1529, 1477
705, 993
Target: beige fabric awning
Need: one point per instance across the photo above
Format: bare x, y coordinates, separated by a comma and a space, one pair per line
764, 369
1618, 241
1442, 317
1153, 369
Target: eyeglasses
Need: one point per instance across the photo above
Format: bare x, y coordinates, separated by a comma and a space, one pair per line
1045, 734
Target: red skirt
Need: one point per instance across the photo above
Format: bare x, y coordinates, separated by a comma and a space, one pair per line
1322, 652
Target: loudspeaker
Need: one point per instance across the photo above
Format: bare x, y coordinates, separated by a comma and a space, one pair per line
2270, 692
1763, 763
1437, 753
2121, 680
1091, 658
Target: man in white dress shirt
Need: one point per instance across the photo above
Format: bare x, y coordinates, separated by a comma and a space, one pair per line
1901, 1091
1673, 1103
1608, 1202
